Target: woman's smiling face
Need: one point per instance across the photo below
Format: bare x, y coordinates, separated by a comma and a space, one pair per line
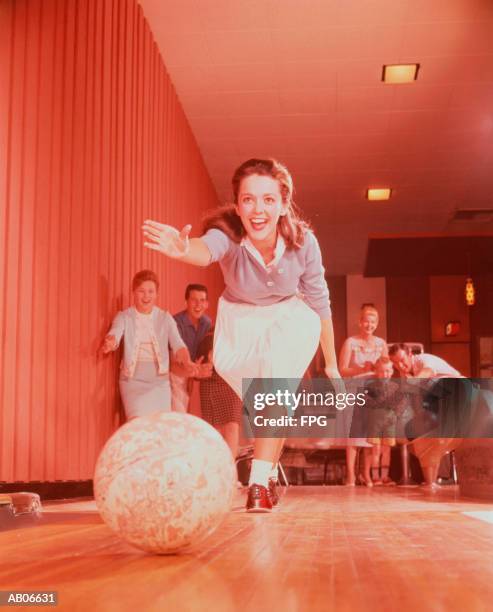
368, 323
259, 206
145, 296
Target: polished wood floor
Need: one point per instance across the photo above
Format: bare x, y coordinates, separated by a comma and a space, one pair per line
326, 548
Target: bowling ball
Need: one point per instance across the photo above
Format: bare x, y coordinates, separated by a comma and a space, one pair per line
164, 482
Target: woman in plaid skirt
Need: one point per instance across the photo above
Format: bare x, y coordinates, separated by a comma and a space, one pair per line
220, 405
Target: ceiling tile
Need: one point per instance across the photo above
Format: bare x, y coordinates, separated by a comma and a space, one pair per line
232, 104
317, 146
312, 15
261, 146
243, 77
480, 121
308, 75
448, 69
236, 127
353, 143
372, 12
358, 73
473, 96
239, 47
429, 121
457, 38
313, 101
235, 14
421, 97
378, 97
448, 10
309, 125
318, 45
367, 122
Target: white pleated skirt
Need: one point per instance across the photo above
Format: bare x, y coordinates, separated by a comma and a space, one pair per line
275, 341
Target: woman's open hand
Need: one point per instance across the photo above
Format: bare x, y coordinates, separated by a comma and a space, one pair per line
166, 239
109, 344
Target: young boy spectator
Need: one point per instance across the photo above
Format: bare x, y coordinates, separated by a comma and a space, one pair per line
384, 402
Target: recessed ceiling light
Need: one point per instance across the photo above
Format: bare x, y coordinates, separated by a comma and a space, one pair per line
400, 73
383, 193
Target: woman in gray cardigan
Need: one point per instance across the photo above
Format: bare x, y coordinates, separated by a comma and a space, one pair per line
148, 332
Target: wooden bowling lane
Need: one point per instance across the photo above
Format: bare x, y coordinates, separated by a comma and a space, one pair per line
326, 548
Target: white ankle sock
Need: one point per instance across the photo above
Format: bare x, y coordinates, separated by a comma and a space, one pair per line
274, 473
260, 472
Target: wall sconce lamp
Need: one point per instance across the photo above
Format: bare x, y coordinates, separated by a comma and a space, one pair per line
470, 292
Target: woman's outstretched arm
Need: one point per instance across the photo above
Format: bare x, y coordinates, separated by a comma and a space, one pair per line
168, 240
328, 349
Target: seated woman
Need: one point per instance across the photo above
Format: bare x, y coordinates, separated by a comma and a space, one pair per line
148, 332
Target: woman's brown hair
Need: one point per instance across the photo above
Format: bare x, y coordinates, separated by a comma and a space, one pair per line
142, 276
291, 225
